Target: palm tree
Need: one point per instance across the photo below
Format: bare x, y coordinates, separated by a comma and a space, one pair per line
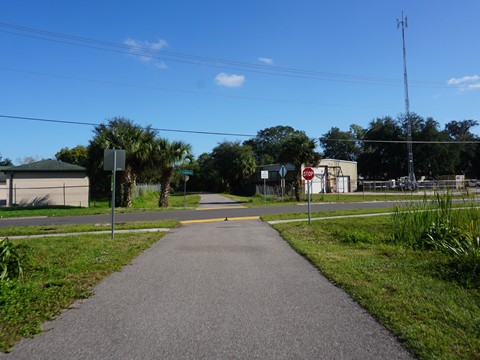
299, 149
169, 154
139, 144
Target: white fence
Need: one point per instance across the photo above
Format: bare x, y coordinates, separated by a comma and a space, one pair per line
143, 188
379, 186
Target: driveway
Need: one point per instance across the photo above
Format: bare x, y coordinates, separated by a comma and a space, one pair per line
223, 290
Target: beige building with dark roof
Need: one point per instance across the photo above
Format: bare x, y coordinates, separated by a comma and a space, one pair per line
3, 186
47, 182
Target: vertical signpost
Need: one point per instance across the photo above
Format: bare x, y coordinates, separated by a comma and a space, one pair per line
113, 160
282, 172
264, 176
308, 175
185, 176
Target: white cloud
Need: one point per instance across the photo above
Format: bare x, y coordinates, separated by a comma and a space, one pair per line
266, 60
161, 65
470, 82
142, 50
229, 80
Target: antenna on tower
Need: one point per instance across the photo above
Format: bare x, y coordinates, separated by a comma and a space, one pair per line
412, 182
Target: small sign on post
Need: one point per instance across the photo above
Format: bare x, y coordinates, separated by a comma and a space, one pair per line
264, 176
185, 177
113, 160
308, 175
282, 172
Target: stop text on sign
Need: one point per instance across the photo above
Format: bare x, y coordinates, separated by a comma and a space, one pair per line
308, 173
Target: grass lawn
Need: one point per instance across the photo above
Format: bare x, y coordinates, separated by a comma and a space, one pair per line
413, 293
273, 200
57, 271
149, 202
59, 229
321, 214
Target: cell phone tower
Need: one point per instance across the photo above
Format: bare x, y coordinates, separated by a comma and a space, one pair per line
412, 182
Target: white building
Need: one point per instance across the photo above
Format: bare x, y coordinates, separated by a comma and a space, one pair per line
334, 176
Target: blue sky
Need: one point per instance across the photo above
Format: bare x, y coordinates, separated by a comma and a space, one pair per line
228, 66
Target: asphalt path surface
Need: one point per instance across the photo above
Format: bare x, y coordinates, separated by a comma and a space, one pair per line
185, 215
221, 290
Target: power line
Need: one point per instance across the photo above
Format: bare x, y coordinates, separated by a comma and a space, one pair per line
453, 142
69, 122
191, 92
201, 60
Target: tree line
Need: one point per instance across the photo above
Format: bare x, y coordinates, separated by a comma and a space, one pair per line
227, 168
381, 149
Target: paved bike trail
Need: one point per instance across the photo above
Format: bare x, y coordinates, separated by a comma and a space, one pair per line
223, 290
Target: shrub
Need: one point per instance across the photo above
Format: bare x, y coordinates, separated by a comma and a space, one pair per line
10, 262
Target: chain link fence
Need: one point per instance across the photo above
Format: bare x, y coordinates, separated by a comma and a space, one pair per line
64, 195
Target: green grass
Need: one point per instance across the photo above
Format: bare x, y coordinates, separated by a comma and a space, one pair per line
58, 271
147, 203
411, 292
150, 201
59, 229
318, 214
273, 200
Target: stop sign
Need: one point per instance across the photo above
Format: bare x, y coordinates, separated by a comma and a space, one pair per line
308, 173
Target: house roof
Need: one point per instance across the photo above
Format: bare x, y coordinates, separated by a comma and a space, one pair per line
45, 166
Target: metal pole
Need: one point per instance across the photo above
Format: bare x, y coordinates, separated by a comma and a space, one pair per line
184, 189
412, 183
113, 192
308, 187
264, 190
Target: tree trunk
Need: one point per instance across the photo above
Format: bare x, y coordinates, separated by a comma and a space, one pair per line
128, 180
165, 187
298, 188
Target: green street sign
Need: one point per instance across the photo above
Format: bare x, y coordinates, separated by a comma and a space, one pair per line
186, 172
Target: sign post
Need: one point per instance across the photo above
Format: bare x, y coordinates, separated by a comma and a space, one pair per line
185, 176
264, 176
282, 172
308, 175
113, 160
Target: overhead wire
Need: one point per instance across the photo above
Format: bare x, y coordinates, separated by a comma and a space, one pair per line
404, 141
71, 122
244, 97
203, 60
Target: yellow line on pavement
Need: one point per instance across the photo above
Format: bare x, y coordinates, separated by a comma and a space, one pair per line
219, 219
223, 207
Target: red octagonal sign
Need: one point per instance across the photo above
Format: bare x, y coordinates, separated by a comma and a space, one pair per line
308, 173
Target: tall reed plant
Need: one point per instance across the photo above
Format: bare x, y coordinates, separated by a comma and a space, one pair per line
412, 222
438, 225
